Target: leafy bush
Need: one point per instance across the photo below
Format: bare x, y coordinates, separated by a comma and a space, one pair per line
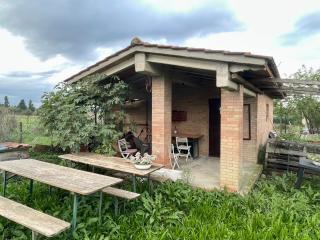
88, 112
8, 124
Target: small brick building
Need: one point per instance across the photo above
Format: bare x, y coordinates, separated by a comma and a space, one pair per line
222, 96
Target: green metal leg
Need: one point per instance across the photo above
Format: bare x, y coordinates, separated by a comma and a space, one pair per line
134, 183
4, 174
34, 235
31, 188
74, 212
50, 190
116, 206
100, 206
300, 175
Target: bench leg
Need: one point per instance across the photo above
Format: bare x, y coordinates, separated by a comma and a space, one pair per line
134, 183
34, 235
74, 212
300, 175
100, 206
116, 206
4, 175
31, 188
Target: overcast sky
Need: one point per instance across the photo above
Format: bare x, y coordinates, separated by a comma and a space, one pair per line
44, 42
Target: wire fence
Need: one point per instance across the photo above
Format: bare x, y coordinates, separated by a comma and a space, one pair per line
22, 128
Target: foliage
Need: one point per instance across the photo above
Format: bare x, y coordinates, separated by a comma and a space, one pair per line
294, 108
8, 123
31, 107
273, 210
22, 105
86, 112
6, 102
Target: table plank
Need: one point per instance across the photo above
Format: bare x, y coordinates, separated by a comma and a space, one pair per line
70, 179
113, 163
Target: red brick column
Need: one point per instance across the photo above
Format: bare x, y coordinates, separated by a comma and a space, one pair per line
161, 118
231, 138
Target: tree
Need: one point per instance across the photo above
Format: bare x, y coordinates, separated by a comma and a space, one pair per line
6, 102
84, 112
22, 105
294, 108
31, 107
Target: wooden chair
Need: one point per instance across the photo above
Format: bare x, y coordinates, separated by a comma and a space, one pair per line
174, 157
184, 150
124, 150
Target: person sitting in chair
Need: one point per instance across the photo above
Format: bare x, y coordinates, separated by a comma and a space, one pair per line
136, 143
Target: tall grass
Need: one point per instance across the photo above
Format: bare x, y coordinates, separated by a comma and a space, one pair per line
273, 210
8, 124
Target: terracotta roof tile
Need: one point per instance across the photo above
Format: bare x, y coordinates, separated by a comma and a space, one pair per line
190, 49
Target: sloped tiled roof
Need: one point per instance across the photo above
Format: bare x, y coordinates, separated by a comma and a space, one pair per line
137, 42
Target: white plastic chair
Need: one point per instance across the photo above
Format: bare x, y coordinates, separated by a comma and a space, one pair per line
174, 157
184, 150
124, 150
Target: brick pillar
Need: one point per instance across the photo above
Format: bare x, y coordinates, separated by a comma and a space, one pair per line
231, 138
161, 118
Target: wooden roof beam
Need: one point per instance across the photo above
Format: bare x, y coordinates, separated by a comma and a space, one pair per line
238, 79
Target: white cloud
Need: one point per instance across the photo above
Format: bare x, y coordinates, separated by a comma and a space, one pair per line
264, 23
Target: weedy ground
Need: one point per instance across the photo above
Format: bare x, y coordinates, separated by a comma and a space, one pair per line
273, 210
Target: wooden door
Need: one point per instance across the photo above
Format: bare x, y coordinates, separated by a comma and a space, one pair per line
214, 127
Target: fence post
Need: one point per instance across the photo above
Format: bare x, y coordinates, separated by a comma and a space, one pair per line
20, 132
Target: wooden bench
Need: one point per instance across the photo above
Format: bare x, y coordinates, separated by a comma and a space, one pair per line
119, 193
37, 222
282, 156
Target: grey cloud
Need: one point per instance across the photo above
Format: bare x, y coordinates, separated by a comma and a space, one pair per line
27, 74
74, 28
305, 27
24, 85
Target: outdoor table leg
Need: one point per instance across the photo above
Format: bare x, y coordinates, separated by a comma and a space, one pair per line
116, 206
74, 212
34, 235
4, 174
300, 175
100, 206
30, 188
134, 184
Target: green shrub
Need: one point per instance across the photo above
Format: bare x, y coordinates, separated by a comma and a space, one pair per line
273, 210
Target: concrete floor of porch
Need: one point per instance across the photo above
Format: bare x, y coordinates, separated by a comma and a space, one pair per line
204, 172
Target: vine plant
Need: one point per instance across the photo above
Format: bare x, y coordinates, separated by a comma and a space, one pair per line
88, 112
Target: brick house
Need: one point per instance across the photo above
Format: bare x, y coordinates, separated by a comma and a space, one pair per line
218, 92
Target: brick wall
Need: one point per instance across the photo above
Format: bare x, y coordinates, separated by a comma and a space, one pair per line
195, 101
231, 138
250, 146
161, 118
261, 125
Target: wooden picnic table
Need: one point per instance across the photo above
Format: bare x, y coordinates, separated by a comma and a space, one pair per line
75, 181
305, 164
112, 163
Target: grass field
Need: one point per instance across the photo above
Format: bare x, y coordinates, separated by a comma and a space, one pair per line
273, 210
32, 131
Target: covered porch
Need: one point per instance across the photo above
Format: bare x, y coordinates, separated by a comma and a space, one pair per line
214, 95
224, 121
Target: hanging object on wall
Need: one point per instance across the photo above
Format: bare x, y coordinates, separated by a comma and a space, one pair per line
149, 84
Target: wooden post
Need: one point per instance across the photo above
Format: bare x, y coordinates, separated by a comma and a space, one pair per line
20, 132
